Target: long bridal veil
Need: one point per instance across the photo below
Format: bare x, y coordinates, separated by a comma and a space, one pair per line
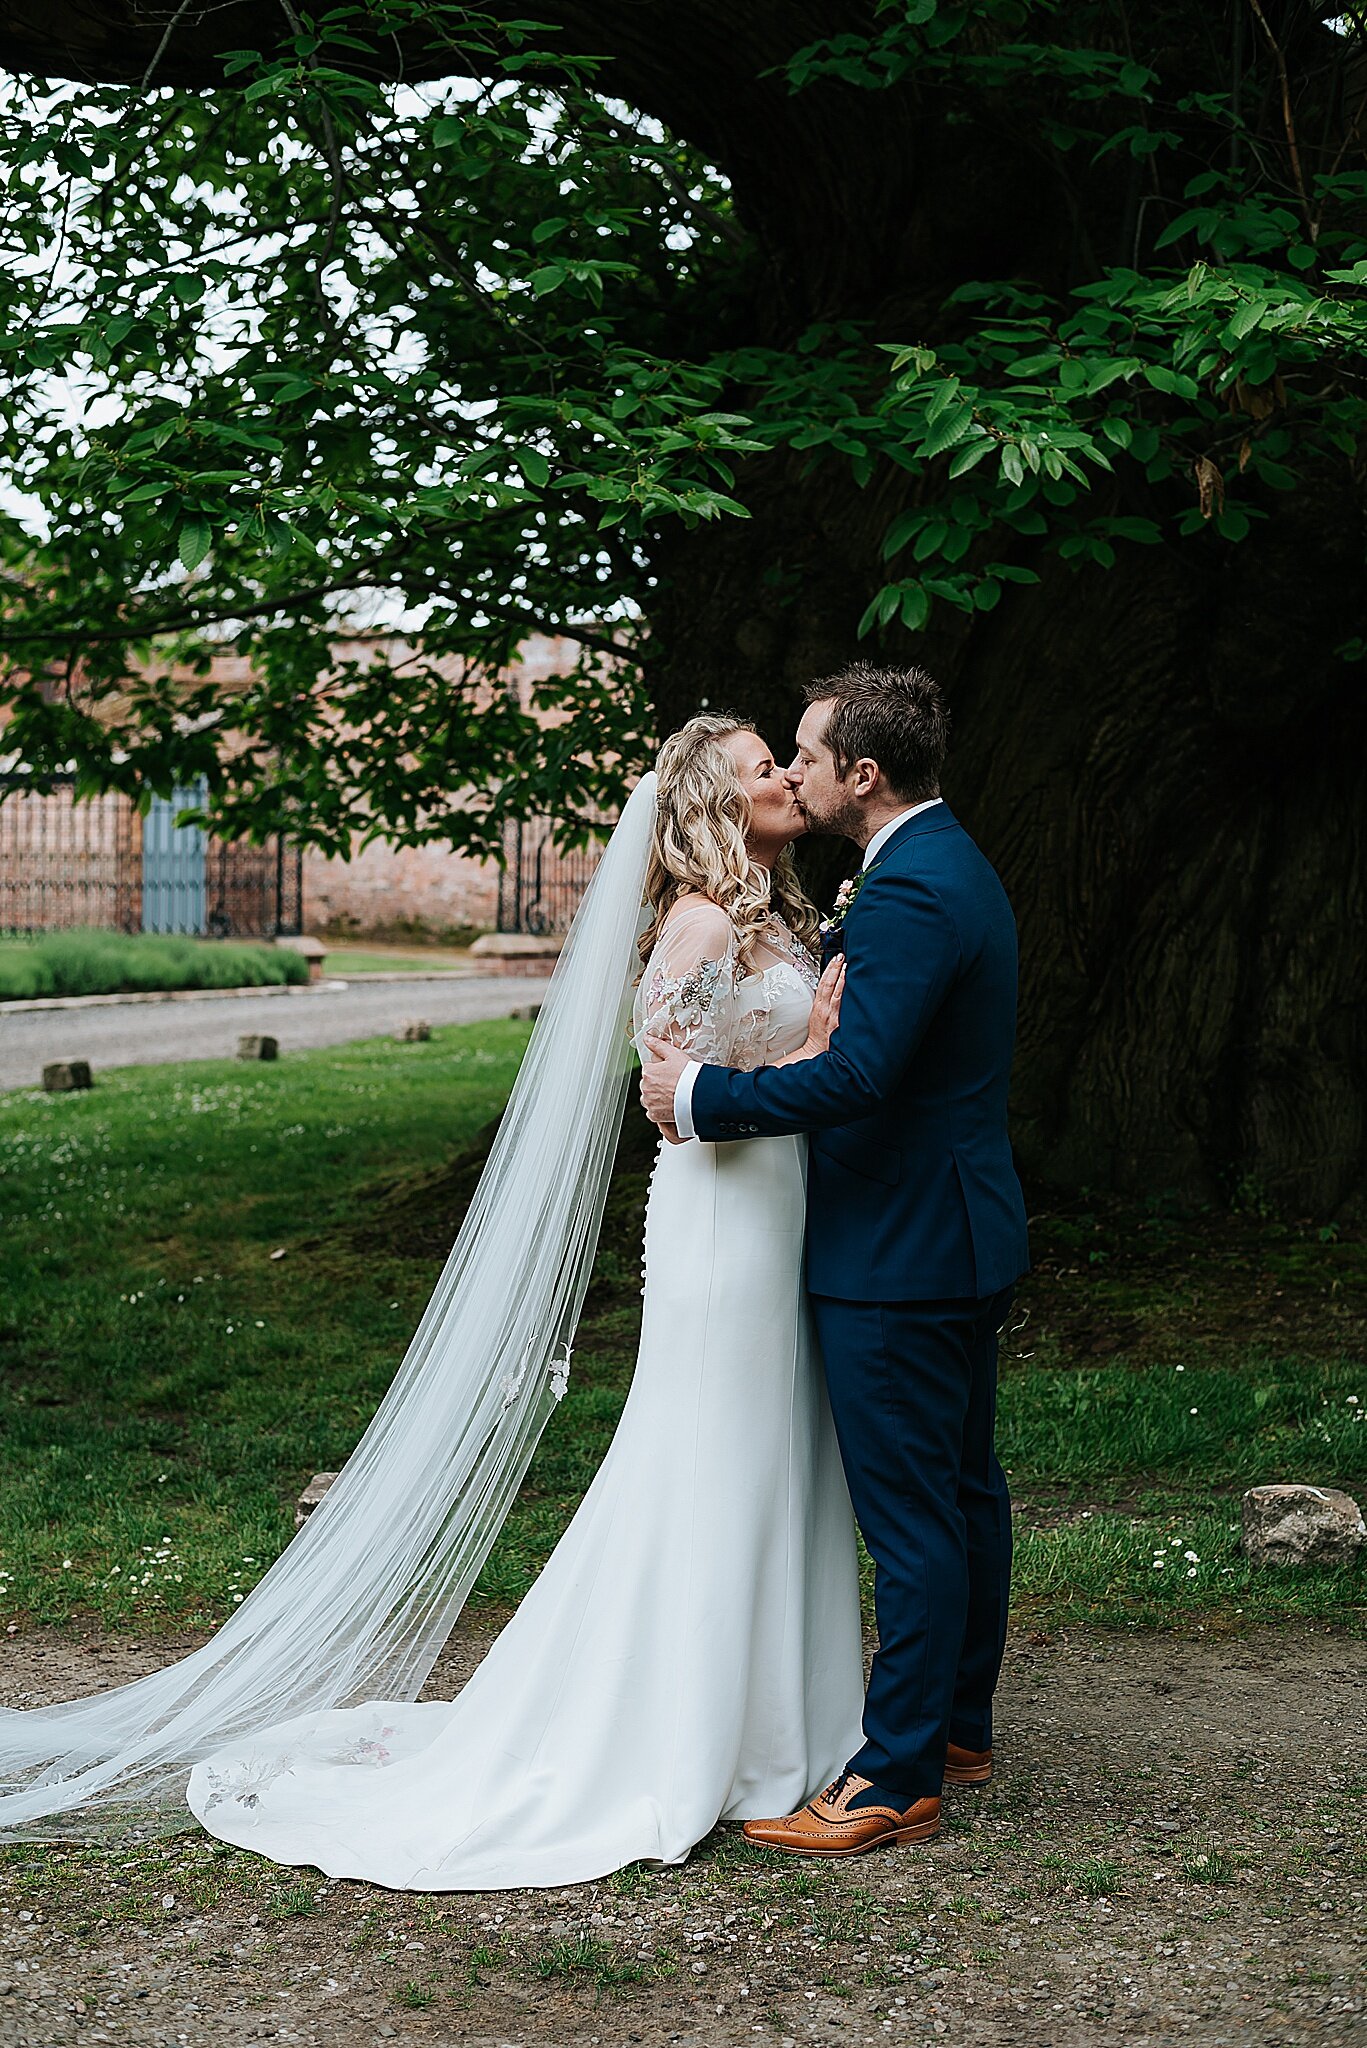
360, 1603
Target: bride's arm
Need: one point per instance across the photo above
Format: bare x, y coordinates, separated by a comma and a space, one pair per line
687, 994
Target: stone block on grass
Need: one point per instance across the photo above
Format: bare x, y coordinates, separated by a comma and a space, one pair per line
60, 1076
1290, 1525
311, 949
517, 953
257, 1045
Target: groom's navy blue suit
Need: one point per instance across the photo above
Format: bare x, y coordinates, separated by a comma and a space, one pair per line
916, 1233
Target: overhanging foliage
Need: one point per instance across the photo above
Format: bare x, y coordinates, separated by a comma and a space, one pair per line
305, 347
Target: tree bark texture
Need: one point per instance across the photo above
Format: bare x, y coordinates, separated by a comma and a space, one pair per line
1166, 761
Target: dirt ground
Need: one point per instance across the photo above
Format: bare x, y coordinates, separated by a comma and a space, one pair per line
1173, 1850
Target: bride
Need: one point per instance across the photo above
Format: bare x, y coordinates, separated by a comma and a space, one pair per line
691, 1652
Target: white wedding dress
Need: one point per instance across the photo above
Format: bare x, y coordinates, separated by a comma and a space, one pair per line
691, 1651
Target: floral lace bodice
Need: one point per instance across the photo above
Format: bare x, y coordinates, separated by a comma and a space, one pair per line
695, 992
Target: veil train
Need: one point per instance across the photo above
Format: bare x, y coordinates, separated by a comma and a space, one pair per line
360, 1603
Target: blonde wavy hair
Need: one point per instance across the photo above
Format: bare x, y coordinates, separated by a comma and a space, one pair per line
698, 847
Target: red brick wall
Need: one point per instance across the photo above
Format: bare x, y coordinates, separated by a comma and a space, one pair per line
384, 886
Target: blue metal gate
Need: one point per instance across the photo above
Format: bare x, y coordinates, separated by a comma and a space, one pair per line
173, 865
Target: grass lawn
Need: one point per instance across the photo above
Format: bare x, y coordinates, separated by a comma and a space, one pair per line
168, 1386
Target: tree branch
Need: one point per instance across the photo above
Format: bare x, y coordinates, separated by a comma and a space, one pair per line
1288, 121
172, 25
184, 622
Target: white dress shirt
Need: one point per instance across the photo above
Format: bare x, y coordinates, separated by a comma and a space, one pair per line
683, 1092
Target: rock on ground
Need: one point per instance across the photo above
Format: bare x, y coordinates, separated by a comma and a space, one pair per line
1302, 1525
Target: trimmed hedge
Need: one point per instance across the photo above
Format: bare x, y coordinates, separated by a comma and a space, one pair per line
95, 963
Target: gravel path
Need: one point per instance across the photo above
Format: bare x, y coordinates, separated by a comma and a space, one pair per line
1172, 1851
150, 1034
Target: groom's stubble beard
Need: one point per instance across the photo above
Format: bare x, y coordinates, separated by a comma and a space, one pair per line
842, 819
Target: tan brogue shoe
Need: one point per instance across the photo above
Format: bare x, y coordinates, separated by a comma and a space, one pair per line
827, 1827
967, 1766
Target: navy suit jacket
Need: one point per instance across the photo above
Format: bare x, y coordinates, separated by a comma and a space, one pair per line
911, 1190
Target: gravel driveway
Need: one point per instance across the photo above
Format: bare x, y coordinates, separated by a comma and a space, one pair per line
152, 1034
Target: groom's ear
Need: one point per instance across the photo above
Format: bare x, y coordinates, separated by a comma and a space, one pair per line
866, 776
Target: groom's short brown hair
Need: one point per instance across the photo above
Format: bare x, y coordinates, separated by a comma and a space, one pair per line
894, 716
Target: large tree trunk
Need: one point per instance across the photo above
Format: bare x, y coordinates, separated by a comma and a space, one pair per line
1167, 763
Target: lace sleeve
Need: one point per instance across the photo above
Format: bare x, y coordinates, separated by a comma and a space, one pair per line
690, 991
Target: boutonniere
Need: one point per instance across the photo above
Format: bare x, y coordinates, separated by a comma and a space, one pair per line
844, 903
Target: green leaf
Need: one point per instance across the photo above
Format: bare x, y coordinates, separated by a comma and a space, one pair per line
948, 432
1246, 318
1101, 375
915, 607
944, 395
965, 459
534, 467
1164, 379
900, 532
196, 538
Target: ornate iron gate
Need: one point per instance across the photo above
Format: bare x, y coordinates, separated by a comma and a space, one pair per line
539, 887
97, 862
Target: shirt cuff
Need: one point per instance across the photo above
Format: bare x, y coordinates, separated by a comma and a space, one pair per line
683, 1099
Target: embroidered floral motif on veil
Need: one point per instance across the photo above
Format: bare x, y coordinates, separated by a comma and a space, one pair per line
560, 1374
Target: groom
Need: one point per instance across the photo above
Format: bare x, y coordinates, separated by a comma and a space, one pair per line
916, 1234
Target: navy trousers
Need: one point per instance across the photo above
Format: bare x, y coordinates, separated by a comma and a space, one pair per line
913, 1389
